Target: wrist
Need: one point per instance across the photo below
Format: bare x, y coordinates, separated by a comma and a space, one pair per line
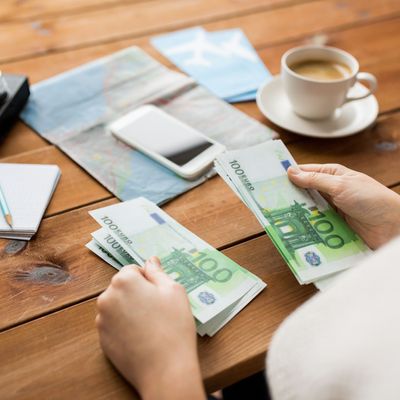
396, 214
178, 379
390, 223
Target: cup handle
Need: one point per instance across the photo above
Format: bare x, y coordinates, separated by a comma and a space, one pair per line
372, 83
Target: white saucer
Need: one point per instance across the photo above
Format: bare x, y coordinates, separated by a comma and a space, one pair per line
353, 117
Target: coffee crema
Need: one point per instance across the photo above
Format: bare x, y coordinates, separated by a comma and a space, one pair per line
321, 70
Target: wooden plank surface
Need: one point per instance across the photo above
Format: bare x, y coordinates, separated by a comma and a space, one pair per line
131, 21
202, 204
19, 140
55, 271
76, 188
11, 10
375, 152
211, 211
261, 35
379, 57
57, 267
94, 26
70, 335
52, 270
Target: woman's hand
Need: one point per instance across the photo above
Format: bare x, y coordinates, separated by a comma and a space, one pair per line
371, 209
148, 332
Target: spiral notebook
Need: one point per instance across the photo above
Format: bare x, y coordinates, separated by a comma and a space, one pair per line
28, 189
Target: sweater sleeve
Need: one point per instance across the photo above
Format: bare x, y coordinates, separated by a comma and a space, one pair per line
343, 343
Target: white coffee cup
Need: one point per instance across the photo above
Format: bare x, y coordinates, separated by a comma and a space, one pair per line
318, 99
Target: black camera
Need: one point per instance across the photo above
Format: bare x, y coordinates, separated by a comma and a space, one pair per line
14, 93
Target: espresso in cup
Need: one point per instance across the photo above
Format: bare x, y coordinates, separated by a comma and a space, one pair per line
321, 70
317, 80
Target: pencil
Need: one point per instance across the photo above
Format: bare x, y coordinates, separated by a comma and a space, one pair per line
4, 209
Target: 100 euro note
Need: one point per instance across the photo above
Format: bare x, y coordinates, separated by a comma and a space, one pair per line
312, 238
106, 247
213, 281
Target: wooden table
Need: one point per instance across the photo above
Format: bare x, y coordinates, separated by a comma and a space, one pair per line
49, 345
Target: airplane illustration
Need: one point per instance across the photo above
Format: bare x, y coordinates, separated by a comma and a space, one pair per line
233, 47
200, 46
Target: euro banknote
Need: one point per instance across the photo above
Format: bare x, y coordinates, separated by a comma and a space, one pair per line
311, 236
103, 238
103, 254
217, 287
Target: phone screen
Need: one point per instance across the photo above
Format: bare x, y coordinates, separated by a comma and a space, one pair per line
163, 135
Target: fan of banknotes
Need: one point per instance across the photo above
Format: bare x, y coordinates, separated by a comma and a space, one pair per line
135, 230
313, 239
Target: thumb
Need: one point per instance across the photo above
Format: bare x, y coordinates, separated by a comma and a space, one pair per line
313, 180
154, 272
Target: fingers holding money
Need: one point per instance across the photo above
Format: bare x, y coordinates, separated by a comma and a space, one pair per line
312, 178
127, 279
331, 169
154, 273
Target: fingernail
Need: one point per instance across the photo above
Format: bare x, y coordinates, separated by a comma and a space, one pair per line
152, 264
155, 260
295, 170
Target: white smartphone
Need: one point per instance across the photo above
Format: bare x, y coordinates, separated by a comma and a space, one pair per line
167, 140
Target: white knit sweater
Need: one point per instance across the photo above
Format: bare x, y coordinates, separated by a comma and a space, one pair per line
343, 344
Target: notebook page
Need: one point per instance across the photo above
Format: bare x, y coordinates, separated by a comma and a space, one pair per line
27, 189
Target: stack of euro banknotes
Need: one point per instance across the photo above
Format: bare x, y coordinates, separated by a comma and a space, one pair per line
217, 287
313, 239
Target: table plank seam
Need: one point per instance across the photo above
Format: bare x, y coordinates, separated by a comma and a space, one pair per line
107, 5
295, 139
389, 112
395, 185
151, 32
61, 308
83, 205
337, 28
241, 241
33, 151
110, 6
94, 295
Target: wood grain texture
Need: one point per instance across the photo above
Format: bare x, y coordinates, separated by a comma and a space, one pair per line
375, 151
380, 57
95, 25
212, 211
383, 36
76, 188
50, 271
16, 10
132, 21
61, 239
58, 355
59, 270
11, 10
20, 139
67, 339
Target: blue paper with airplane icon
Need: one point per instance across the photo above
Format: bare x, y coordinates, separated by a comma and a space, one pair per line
223, 61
